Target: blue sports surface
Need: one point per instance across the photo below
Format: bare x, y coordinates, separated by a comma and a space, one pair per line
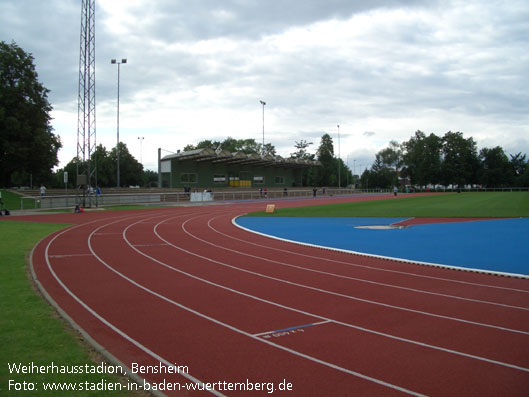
498, 245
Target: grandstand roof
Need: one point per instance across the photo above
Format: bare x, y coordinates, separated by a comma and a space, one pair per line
223, 156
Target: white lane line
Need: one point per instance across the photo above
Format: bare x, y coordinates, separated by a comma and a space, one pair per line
337, 293
240, 331
307, 313
234, 223
353, 278
105, 321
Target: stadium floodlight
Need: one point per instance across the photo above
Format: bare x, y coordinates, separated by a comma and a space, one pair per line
263, 149
339, 158
114, 62
141, 138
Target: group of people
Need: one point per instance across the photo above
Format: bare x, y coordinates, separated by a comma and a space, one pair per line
315, 191
263, 192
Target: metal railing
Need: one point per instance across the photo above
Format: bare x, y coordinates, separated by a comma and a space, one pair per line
174, 198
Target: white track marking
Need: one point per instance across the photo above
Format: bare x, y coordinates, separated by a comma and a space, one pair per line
349, 277
243, 332
233, 221
307, 313
336, 293
105, 321
218, 322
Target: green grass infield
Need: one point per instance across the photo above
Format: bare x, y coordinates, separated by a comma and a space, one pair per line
473, 205
31, 332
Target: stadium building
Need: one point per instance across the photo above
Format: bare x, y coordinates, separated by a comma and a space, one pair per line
207, 168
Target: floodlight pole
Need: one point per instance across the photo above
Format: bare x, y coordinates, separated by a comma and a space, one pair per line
263, 149
141, 157
347, 172
354, 172
113, 61
339, 176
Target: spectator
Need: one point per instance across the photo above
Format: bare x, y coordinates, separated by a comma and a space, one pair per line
42, 190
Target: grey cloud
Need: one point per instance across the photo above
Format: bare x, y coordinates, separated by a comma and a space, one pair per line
470, 62
171, 20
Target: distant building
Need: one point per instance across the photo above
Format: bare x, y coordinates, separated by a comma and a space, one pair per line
209, 168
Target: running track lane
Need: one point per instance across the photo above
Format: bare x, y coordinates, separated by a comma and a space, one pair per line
185, 286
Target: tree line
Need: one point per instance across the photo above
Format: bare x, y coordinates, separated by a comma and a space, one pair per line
131, 172
450, 160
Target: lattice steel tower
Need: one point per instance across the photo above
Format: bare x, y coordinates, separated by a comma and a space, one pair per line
86, 106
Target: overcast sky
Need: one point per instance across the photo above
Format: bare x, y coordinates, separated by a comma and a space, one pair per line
197, 70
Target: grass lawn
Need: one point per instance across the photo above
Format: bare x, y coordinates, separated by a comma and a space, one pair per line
12, 201
494, 205
30, 330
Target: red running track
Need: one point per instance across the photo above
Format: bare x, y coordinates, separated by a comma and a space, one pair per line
184, 286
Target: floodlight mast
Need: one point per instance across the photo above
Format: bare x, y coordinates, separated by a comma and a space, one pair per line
86, 104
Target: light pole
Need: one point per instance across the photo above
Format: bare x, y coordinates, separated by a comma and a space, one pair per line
354, 172
263, 103
141, 158
339, 177
113, 61
347, 170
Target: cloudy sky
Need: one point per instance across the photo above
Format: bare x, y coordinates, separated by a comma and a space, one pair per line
380, 69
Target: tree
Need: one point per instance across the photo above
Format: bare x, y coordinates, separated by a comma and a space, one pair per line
496, 170
422, 158
27, 143
150, 178
307, 174
106, 168
460, 164
269, 150
248, 146
131, 171
392, 156
381, 174
302, 153
523, 178
326, 174
385, 170
518, 165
